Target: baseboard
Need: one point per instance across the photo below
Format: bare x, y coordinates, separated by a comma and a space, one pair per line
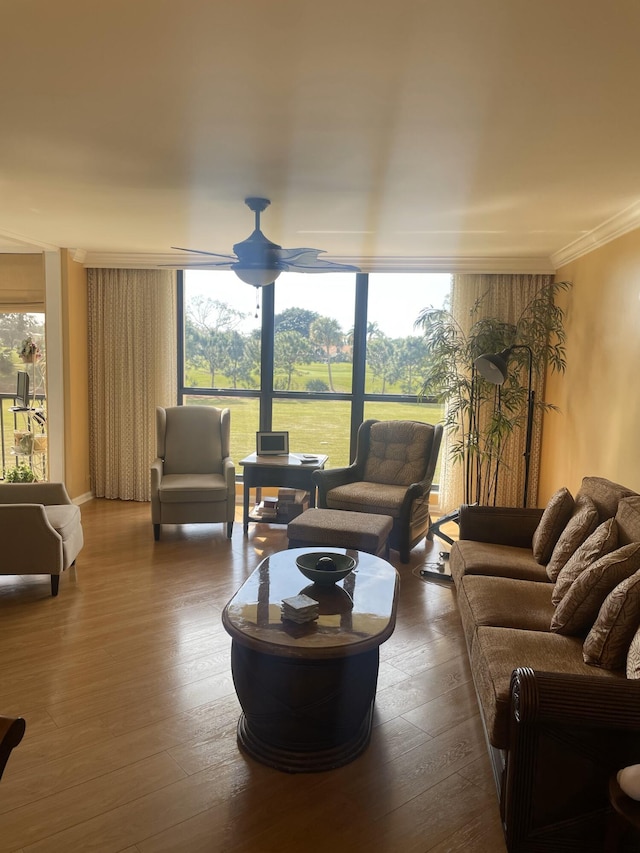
82, 499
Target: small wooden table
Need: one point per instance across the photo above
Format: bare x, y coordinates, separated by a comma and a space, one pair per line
307, 691
287, 471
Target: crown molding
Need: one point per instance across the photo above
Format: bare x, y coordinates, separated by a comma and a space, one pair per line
616, 226
443, 264
24, 245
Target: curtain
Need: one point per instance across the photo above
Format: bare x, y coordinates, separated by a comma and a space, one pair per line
22, 283
504, 297
132, 369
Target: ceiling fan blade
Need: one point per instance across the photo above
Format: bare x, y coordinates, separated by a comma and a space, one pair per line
322, 266
207, 265
202, 252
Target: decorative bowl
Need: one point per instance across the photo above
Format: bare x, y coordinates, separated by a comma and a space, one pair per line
308, 565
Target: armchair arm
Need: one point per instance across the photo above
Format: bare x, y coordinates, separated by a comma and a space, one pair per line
11, 733
500, 525
568, 733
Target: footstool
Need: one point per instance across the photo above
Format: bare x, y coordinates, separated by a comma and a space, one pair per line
338, 528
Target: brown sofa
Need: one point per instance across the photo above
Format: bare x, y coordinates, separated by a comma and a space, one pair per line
557, 726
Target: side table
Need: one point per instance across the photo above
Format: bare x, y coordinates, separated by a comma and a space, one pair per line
278, 471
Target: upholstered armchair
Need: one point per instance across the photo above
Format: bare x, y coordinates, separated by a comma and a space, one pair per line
193, 477
391, 475
40, 530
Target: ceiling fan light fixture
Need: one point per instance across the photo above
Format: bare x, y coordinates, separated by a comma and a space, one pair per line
256, 276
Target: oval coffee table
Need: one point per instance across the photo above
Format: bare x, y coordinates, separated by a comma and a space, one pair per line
307, 691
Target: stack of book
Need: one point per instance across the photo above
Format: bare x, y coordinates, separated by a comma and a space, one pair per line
299, 609
267, 509
291, 503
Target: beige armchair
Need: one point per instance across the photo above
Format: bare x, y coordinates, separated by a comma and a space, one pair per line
40, 530
391, 475
193, 477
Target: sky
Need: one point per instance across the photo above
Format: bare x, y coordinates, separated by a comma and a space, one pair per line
394, 300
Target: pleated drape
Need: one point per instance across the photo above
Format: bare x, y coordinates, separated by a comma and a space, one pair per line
132, 352
505, 297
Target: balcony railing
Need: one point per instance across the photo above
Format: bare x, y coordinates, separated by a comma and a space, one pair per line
10, 422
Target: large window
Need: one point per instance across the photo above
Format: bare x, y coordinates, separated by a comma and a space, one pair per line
317, 356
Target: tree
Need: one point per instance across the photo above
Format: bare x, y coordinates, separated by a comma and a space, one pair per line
231, 355
295, 320
412, 362
381, 359
326, 334
210, 319
291, 348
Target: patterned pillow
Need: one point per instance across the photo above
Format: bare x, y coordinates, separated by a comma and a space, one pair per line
581, 525
579, 608
603, 540
628, 520
633, 657
554, 520
609, 640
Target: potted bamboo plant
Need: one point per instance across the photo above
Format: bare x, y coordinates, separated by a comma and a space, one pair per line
481, 416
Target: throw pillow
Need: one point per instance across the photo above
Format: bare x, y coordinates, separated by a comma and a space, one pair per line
633, 657
579, 608
608, 641
628, 520
581, 525
603, 540
554, 520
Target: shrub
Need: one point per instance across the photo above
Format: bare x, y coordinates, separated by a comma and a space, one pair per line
317, 386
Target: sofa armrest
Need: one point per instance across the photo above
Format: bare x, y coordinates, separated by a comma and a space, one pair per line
568, 734
500, 525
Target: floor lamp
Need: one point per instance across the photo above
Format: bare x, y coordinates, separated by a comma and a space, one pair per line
493, 368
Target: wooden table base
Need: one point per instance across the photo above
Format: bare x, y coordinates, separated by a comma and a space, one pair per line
304, 716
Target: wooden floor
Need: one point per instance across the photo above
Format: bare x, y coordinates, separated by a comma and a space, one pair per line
125, 684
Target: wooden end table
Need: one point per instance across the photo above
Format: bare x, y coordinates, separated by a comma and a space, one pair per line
307, 691
285, 471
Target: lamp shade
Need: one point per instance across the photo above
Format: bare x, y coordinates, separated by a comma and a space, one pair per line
493, 367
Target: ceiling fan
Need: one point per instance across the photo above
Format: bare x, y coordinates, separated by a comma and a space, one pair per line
259, 262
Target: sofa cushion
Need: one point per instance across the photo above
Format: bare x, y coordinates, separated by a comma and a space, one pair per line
496, 652
503, 603
603, 540
486, 558
608, 642
578, 609
554, 520
628, 520
580, 526
633, 657
605, 494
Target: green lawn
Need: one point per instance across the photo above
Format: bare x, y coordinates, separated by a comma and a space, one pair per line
314, 426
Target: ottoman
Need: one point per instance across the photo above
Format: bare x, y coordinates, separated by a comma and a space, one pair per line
337, 528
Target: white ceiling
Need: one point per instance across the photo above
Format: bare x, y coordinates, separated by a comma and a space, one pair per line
414, 132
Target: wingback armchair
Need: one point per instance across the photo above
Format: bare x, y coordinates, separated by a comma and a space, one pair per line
391, 475
40, 530
193, 477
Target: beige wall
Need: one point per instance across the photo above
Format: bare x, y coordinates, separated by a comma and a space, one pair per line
76, 376
597, 429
